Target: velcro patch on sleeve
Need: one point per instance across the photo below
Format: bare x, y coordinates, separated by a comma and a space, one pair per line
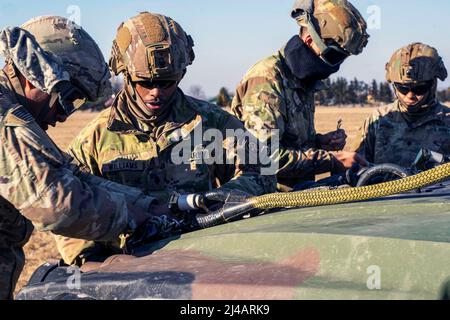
19, 117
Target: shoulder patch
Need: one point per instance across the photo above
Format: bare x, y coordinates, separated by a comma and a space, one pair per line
23, 114
19, 116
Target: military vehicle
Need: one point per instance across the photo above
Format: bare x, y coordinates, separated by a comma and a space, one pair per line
388, 247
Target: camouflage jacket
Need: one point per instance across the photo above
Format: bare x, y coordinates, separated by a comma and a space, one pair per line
387, 137
269, 98
111, 147
39, 182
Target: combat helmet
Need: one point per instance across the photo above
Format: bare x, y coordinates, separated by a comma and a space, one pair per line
79, 53
336, 20
415, 63
151, 47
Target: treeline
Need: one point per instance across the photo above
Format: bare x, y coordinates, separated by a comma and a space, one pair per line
444, 95
339, 91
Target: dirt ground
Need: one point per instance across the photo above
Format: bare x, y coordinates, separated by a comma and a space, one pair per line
42, 247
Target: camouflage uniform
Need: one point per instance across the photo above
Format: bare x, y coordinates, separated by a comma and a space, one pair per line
270, 97
387, 137
112, 148
121, 147
38, 183
396, 133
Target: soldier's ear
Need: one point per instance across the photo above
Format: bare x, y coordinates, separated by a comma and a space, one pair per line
26, 85
308, 40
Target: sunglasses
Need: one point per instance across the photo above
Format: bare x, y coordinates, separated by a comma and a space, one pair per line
68, 98
333, 55
419, 90
161, 84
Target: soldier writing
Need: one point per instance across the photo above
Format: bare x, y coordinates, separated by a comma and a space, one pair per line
416, 119
277, 93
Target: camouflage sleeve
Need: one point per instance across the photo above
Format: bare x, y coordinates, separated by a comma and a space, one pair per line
133, 196
82, 151
42, 69
366, 145
303, 164
261, 106
39, 180
240, 169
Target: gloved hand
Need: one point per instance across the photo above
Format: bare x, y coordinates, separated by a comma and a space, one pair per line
332, 141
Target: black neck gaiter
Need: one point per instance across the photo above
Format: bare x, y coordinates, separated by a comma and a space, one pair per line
304, 63
422, 108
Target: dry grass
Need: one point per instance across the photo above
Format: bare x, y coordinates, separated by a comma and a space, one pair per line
42, 247
353, 120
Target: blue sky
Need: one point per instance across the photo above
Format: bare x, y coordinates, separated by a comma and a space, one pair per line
232, 35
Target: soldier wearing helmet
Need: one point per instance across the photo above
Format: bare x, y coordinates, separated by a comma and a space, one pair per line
52, 68
277, 93
137, 141
416, 120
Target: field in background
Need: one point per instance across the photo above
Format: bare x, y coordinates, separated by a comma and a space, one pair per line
353, 120
42, 247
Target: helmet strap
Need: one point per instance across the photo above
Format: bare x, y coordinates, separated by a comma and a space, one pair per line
13, 77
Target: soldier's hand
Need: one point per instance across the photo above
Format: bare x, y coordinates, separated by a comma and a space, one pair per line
344, 160
140, 215
332, 141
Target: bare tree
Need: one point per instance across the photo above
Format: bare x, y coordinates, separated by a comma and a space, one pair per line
223, 99
196, 91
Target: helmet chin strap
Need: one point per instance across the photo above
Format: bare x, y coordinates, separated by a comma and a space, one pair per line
13, 78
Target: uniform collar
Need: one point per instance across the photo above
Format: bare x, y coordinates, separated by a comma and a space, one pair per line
435, 114
121, 120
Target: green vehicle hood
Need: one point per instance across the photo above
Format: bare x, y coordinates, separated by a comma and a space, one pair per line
392, 248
